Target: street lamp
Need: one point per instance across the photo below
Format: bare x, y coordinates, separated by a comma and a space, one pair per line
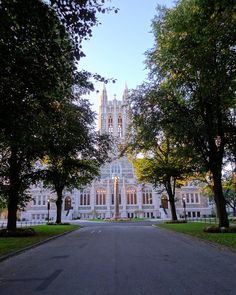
184, 206
48, 209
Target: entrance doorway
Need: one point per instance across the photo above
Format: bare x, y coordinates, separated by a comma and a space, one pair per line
164, 202
67, 204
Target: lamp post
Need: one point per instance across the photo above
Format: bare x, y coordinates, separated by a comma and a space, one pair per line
48, 206
116, 197
184, 206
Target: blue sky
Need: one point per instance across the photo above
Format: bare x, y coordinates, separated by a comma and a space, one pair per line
117, 47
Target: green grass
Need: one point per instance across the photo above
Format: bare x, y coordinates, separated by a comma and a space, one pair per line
196, 229
43, 232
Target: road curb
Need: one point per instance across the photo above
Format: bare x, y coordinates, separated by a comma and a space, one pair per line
15, 253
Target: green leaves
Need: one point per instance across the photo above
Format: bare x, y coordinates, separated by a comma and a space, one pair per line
194, 63
79, 17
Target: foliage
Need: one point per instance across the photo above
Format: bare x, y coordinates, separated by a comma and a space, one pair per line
176, 221
36, 75
164, 160
79, 17
19, 232
217, 229
194, 60
229, 191
74, 152
228, 187
39, 47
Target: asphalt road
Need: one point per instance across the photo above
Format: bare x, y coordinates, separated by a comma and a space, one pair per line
121, 259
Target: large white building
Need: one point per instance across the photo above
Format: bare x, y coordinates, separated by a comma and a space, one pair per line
98, 199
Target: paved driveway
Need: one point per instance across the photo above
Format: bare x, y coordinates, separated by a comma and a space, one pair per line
121, 259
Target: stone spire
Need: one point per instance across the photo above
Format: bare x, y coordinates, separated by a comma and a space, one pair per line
103, 96
125, 93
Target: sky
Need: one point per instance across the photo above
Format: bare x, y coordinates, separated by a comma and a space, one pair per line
117, 47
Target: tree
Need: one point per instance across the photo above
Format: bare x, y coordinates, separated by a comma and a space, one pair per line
36, 74
164, 160
74, 152
195, 55
229, 190
79, 17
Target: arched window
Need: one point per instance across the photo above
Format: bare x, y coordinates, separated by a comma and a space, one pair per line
131, 196
100, 196
115, 168
85, 198
110, 124
67, 203
119, 130
147, 196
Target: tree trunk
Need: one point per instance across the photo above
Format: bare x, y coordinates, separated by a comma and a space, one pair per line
12, 212
171, 200
13, 195
59, 204
219, 198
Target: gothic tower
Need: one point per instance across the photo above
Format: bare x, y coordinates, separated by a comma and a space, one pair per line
112, 117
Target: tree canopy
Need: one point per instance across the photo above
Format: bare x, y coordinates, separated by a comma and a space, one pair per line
190, 96
39, 46
164, 160
194, 54
75, 151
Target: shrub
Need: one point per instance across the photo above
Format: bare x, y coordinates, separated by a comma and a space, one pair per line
217, 229
19, 232
62, 223
176, 221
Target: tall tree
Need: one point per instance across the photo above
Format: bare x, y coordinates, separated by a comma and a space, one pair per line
164, 160
74, 152
79, 17
195, 54
229, 191
36, 74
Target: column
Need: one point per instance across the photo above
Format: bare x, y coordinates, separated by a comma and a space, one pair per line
156, 201
108, 199
76, 197
116, 197
139, 197
123, 198
92, 196
115, 117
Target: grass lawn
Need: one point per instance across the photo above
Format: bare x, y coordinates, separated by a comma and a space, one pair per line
43, 232
196, 229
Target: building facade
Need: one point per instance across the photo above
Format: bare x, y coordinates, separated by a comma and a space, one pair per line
117, 183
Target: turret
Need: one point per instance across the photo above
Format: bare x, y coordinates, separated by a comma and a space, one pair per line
103, 96
125, 93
